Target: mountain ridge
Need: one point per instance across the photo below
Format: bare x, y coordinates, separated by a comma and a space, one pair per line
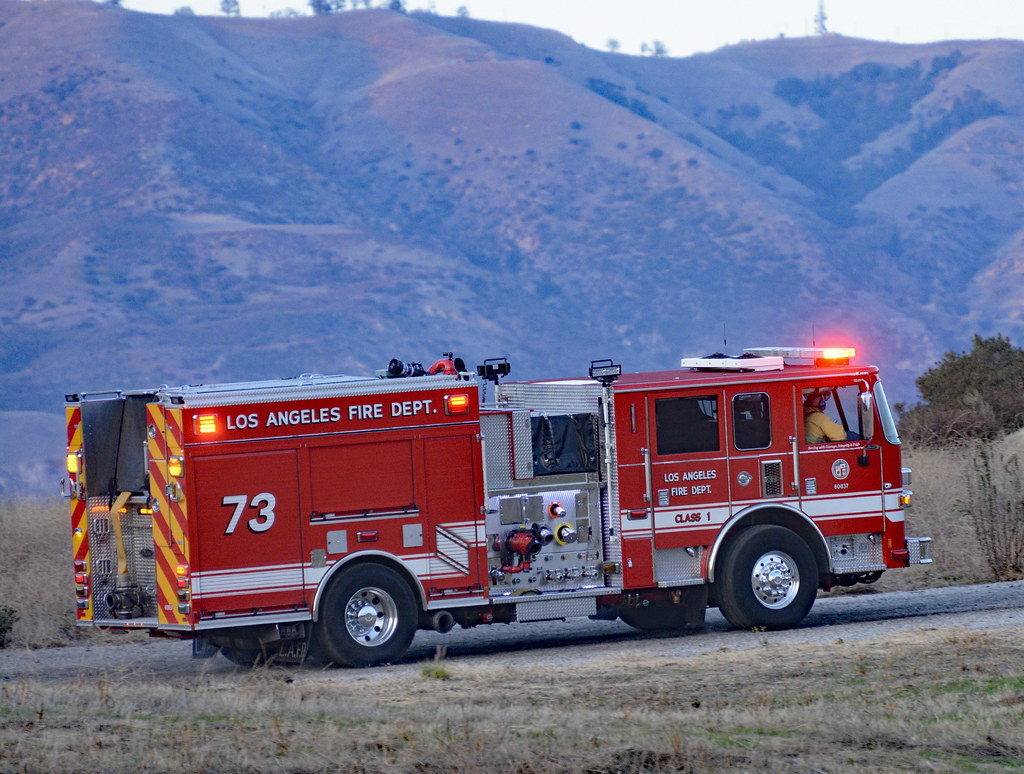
203, 199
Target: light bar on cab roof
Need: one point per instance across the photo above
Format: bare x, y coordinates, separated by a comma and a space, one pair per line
831, 354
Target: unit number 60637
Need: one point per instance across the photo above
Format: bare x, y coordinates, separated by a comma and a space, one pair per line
264, 503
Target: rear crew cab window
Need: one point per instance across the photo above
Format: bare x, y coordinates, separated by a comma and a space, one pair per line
685, 425
751, 421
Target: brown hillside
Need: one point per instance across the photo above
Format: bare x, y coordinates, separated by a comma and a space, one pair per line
188, 199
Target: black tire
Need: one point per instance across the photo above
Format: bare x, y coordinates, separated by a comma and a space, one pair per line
655, 617
768, 579
367, 617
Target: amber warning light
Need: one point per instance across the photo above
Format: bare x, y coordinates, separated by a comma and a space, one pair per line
205, 424
456, 404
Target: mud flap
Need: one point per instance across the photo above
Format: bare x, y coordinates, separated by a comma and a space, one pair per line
695, 600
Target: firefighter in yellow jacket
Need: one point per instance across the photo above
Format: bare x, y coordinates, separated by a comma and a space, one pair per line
818, 426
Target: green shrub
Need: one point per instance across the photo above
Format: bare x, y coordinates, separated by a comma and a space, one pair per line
976, 395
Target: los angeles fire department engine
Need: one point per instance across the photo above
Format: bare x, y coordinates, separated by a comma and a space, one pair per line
341, 513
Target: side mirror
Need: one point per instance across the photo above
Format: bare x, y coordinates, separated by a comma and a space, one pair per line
866, 412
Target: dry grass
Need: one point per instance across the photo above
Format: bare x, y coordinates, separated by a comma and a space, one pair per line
938, 482
36, 572
946, 700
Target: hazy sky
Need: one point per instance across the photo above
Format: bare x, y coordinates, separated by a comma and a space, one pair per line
689, 26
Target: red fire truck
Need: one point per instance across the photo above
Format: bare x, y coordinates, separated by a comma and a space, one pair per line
343, 513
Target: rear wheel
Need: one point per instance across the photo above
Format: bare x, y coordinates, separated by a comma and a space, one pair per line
368, 617
768, 579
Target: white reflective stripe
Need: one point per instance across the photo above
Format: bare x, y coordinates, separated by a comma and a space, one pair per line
245, 592
236, 570
839, 505
219, 582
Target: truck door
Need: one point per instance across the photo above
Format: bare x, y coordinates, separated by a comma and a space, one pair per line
840, 480
453, 493
689, 474
249, 553
636, 513
761, 439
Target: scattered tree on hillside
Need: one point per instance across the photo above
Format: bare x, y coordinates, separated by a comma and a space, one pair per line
612, 45
229, 7
185, 10
972, 395
659, 49
462, 12
321, 7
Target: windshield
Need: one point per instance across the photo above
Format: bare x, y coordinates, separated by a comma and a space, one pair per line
888, 423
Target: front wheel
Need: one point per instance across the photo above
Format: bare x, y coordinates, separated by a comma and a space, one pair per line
368, 616
768, 579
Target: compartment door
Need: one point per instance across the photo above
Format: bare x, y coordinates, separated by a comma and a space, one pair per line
454, 539
249, 555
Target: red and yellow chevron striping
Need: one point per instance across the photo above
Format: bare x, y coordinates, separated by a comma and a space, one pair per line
79, 511
169, 512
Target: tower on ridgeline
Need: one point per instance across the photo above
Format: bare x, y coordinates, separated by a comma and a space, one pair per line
820, 19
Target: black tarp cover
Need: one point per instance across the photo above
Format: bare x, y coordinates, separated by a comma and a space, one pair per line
564, 443
114, 444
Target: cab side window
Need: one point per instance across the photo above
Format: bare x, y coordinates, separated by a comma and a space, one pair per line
685, 425
831, 414
751, 421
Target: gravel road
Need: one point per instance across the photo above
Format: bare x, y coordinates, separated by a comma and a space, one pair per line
850, 617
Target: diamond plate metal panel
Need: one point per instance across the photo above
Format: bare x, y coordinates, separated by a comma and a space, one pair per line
522, 445
856, 553
569, 396
920, 550
675, 564
497, 450
548, 609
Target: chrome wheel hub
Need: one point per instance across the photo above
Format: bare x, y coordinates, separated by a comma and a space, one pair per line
371, 616
775, 579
